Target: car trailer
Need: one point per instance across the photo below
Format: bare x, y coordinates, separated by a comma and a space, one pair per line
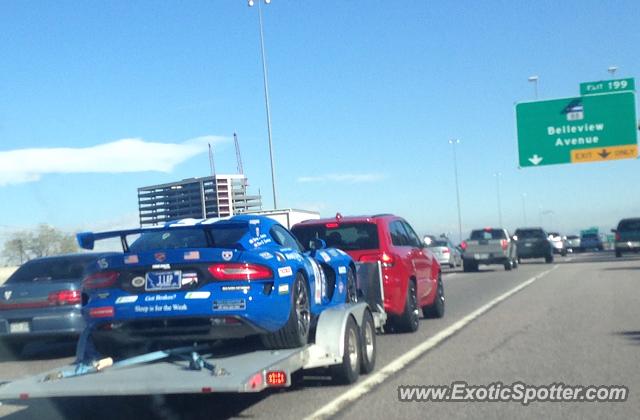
344, 342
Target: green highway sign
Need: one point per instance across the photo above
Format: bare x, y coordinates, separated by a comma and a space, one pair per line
607, 86
588, 128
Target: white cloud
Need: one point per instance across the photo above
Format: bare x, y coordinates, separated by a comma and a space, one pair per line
345, 178
125, 155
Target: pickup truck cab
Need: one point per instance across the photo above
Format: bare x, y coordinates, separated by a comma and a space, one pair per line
489, 246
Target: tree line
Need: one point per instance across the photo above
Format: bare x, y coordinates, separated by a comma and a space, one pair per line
43, 241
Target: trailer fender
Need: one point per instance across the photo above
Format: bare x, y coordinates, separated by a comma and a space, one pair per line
331, 327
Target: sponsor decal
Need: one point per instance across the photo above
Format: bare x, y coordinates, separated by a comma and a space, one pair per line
126, 299
137, 281
197, 295
161, 266
333, 252
7, 294
165, 307
266, 255
285, 271
293, 256
160, 256
340, 287
103, 295
342, 270
280, 257
259, 240
317, 283
227, 255
229, 304
254, 221
244, 289
325, 257
159, 298
189, 279
283, 289
166, 235
103, 263
131, 259
192, 255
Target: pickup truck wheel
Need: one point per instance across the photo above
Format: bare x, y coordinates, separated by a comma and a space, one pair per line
468, 266
618, 254
436, 309
295, 333
368, 339
348, 371
409, 321
508, 266
548, 259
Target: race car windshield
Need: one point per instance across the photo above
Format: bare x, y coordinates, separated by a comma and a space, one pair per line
50, 270
222, 237
346, 236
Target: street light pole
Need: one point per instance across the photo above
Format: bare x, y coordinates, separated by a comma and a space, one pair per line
453, 142
265, 79
534, 80
497, 175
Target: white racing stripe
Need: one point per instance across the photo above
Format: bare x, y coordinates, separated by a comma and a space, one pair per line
374, 379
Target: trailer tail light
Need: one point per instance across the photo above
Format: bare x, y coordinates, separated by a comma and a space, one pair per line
463, 245
276, 378
240, 271
386, 259
101, 312
504, 244
100, 280
65, 297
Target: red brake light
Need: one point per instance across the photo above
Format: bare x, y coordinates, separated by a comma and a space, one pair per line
463, 245
331, 225
618, 238
101, 312
100, 280
504, 244
488, 229
65, 297
276, 378
239, 271
384, 258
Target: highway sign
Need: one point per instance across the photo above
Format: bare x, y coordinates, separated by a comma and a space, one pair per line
587, 128
606, 86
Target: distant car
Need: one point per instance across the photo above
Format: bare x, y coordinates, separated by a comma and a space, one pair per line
557, 243
572, 243
488, 246
203, 280
591, 241
627, 236
412, 278
42, 299
533, 243
445, 252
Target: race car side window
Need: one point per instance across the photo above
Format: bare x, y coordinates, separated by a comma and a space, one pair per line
284, 238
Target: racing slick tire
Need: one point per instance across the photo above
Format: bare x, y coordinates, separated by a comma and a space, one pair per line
409, 321
348, 371
436, 309
352, 287
368, 340
295, 332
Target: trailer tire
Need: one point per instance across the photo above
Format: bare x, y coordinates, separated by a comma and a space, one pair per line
295, 333
368, 339
348, 371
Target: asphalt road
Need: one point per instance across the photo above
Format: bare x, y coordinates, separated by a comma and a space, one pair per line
574, 321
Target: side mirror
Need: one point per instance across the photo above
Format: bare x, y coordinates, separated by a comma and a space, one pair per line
316, 244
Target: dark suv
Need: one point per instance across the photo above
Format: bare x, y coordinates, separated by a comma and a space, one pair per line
627, 236
411, 273
533, 243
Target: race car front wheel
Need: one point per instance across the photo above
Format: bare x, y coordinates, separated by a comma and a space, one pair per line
295, 332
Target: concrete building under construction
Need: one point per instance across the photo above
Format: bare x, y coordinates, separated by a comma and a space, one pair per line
211, 196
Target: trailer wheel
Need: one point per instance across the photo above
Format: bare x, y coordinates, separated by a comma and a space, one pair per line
368, 338
348, 371
295, 333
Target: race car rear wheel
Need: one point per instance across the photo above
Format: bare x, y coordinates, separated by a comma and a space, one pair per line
348, 371
295, 333
352, 288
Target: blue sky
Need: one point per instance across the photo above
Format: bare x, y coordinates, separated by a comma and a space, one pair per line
364, 96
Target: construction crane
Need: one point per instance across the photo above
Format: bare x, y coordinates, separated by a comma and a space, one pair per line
238, 157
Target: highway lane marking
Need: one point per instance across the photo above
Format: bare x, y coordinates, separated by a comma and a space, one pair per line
376, 378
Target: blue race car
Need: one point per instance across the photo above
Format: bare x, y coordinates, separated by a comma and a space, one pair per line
201, 280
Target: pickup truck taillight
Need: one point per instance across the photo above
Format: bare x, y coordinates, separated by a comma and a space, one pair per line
100, 280
386, 259
504, 244
463, 245
618, 238
240, 271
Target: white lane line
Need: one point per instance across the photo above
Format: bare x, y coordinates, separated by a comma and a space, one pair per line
374, 379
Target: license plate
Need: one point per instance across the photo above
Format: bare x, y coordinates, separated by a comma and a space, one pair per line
19, 327
528, 244
163, 280
481, 256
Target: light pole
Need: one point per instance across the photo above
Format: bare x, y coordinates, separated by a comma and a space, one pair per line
453, 143
497, 175
534, 80
612, 71
265, 79
524, 208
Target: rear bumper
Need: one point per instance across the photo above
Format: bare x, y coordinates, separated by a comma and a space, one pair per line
629, 246
48, 323
489, 260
